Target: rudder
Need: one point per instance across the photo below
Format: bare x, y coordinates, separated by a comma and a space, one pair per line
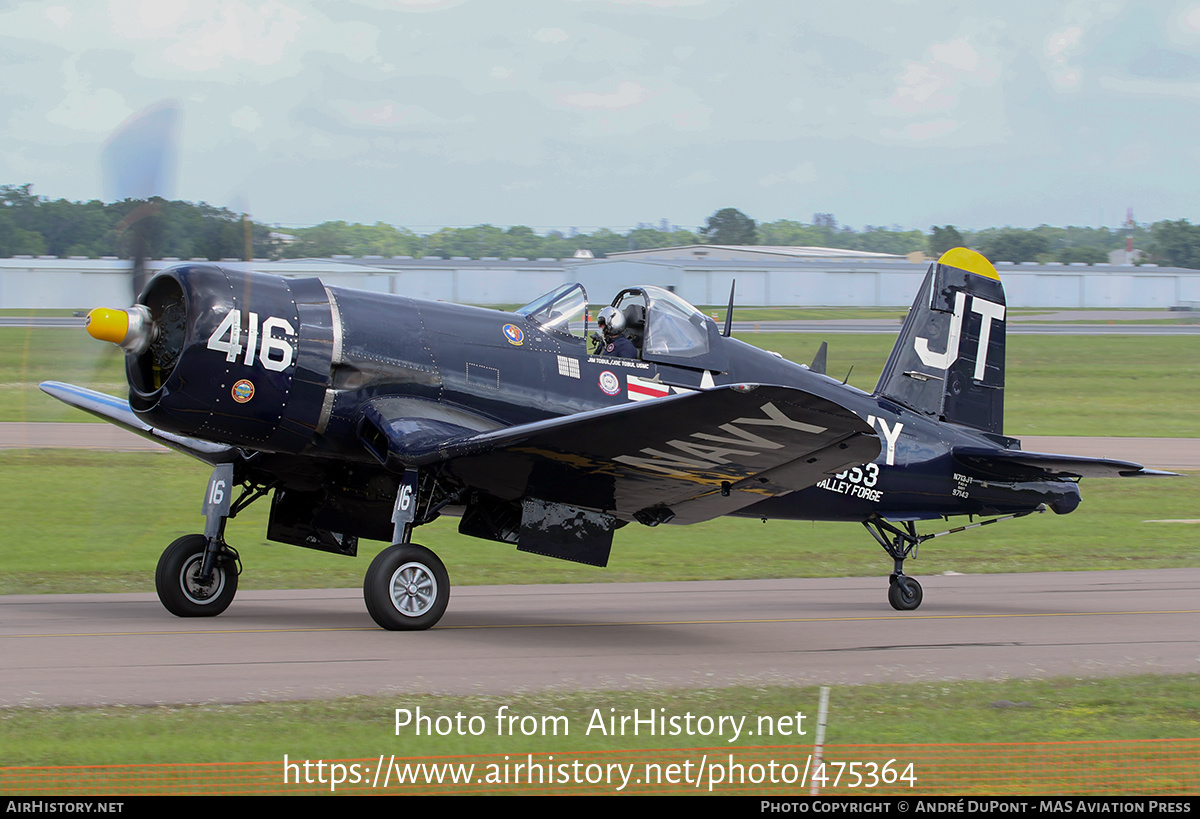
949, 359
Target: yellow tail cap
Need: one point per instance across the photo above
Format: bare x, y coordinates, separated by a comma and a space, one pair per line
966, 259
108, 325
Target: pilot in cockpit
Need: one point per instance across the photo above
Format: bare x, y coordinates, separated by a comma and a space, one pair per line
613, 341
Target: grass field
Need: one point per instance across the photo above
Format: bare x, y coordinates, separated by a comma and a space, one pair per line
1125, 386
898, 313
29, 356
95, 522
1128, 386
1144, 707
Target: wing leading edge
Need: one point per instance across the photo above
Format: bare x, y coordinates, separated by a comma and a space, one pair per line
686, 458
117, 412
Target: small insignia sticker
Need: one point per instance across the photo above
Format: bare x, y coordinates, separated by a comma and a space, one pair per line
243, 391
514, 334
610, 383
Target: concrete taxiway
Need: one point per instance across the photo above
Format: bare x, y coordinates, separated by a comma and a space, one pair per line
90, 649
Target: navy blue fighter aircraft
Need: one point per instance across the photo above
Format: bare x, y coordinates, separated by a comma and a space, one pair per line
368, 415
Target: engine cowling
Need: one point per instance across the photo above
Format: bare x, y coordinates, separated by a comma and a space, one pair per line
232, 356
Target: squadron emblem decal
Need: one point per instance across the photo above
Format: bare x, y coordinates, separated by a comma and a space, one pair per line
610, 383
242, 391
514, 334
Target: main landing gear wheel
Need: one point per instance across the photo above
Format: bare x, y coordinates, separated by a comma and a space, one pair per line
406, 588
904, 593
177, 580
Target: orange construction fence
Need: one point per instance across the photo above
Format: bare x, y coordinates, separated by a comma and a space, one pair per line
1120, 767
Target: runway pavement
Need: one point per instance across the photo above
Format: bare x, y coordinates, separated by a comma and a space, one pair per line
96, 436
125, 649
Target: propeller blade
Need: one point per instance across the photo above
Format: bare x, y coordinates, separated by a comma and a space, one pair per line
138, 163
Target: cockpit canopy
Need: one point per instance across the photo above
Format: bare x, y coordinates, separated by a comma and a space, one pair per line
560, 310
662, 326
670, 326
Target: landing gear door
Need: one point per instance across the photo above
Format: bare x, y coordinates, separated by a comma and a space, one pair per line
217, 500
404, 512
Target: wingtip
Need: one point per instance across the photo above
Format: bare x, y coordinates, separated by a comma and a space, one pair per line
1150, 473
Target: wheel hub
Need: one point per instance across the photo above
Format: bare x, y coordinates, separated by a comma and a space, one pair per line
413, 589
190, 581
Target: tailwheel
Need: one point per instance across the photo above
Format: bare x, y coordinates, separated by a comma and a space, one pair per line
178, 578
904, 592
406, 588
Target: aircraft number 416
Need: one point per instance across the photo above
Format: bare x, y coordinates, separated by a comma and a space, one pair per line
227, 339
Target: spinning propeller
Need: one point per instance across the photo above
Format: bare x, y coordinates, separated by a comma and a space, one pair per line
138, 164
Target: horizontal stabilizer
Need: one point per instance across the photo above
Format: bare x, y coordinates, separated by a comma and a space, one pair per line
1015, 465
117, 411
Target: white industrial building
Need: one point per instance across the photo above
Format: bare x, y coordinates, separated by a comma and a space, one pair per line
701, 274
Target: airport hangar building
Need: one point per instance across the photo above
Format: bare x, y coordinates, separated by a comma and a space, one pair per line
702, 274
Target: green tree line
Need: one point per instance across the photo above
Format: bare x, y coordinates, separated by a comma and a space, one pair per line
36, 226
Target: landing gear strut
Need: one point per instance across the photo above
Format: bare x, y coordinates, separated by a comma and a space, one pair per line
197, 575
904, 592
407, 586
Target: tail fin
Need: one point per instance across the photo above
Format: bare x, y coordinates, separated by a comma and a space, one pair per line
949, 359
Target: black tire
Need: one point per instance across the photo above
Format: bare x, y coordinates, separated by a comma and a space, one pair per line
406, 588
905, 593
175, 580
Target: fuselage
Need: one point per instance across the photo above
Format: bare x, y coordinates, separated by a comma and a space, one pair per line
480, 368
366, 415
499, 369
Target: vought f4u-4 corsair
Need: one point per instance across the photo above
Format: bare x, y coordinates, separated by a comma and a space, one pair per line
368, 415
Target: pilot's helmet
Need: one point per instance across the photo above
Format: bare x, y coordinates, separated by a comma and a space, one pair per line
611, 320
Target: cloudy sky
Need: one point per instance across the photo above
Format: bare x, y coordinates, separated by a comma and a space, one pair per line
586, 113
